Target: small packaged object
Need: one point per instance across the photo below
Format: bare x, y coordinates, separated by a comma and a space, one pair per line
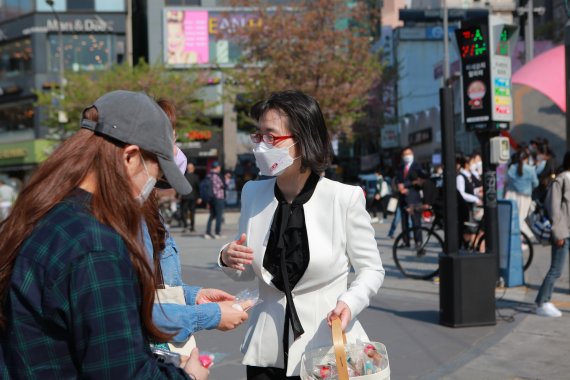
245, 295
208, 359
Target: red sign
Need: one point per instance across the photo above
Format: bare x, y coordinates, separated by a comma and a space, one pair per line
199, 135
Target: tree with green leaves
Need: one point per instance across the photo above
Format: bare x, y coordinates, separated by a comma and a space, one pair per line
83, 88
320, 47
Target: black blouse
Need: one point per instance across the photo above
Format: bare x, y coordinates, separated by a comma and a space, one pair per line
287, 254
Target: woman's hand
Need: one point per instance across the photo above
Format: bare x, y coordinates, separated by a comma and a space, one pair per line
560, 243
194, 368
212, 295
341, 311
232, 315
235, 255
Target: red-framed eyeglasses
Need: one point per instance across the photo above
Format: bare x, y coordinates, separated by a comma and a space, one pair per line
268, 138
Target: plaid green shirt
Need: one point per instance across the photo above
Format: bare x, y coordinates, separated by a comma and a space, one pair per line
73, 304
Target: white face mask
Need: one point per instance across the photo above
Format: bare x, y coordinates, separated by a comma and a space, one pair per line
408, 159
147, 187
270, 160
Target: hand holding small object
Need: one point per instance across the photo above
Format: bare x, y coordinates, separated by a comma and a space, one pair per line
236, 254
212, 295
231, 316
194, 368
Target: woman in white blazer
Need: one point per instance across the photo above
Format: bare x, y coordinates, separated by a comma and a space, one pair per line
306, 229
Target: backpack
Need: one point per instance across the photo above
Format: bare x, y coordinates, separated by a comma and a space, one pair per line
206, 189
539, 221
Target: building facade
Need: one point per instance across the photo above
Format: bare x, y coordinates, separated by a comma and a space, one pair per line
92, 38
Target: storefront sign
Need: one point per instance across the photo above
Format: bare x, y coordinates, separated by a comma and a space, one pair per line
78, 25
390, 136
13, 153
199, 135
420, 137
25, 152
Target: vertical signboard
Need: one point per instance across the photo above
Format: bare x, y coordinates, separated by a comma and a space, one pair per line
500, 39
473, 45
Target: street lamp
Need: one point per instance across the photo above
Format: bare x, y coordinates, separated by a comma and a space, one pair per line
61, 114
60, 36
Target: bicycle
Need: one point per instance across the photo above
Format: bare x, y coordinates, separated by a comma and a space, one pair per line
422, 261
527, 248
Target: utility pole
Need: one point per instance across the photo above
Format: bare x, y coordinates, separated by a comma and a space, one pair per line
61, 114
129, 32
529, 10
445, 44
529, 32
61, 58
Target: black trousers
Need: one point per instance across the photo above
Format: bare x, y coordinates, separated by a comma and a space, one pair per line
416, 218
268, 373
188, 206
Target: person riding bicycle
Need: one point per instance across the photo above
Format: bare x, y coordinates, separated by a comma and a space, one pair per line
431, 196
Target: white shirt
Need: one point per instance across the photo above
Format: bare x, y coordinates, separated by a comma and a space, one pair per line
460, 183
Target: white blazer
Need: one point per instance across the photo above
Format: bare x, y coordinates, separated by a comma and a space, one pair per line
339, 234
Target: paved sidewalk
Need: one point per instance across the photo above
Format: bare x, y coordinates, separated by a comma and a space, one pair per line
405, 316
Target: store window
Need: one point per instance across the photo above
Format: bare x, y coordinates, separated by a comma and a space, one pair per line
183, 2
10, 9
58, 6
17, 118
15, 58
80, 5
110, 5
85, 52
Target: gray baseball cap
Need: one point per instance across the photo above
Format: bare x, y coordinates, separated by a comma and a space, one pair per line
135, 118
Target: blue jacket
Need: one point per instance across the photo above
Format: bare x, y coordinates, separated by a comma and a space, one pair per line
184, 320
522, 184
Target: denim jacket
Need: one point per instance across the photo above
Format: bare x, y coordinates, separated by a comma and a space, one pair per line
522, 184
184, 320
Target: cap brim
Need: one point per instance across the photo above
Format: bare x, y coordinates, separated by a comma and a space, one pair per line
174, 177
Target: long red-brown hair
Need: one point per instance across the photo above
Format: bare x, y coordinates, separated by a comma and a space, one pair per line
112, 204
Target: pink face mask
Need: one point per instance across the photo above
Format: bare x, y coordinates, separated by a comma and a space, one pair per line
180, 160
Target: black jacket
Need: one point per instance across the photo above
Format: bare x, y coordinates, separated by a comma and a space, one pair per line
194, 181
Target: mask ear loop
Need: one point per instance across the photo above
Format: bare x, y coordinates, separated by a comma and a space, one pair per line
295, 143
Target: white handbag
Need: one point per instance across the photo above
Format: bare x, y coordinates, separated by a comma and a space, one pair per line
175, 295
392, 205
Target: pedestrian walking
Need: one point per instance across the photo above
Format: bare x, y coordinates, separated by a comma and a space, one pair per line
189, 202
216, 201
75, 284
522, 179
557, 205
381, 198
298, 234
410, 198
7, 198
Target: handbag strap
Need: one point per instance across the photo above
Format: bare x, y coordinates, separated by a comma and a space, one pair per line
339, 340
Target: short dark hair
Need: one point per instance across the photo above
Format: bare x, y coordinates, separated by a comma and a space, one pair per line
305, 121
406, 148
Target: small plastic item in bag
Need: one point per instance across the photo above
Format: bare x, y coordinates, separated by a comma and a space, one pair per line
245, 295
208, 359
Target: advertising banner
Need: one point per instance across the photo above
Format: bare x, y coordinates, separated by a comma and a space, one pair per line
194, 36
